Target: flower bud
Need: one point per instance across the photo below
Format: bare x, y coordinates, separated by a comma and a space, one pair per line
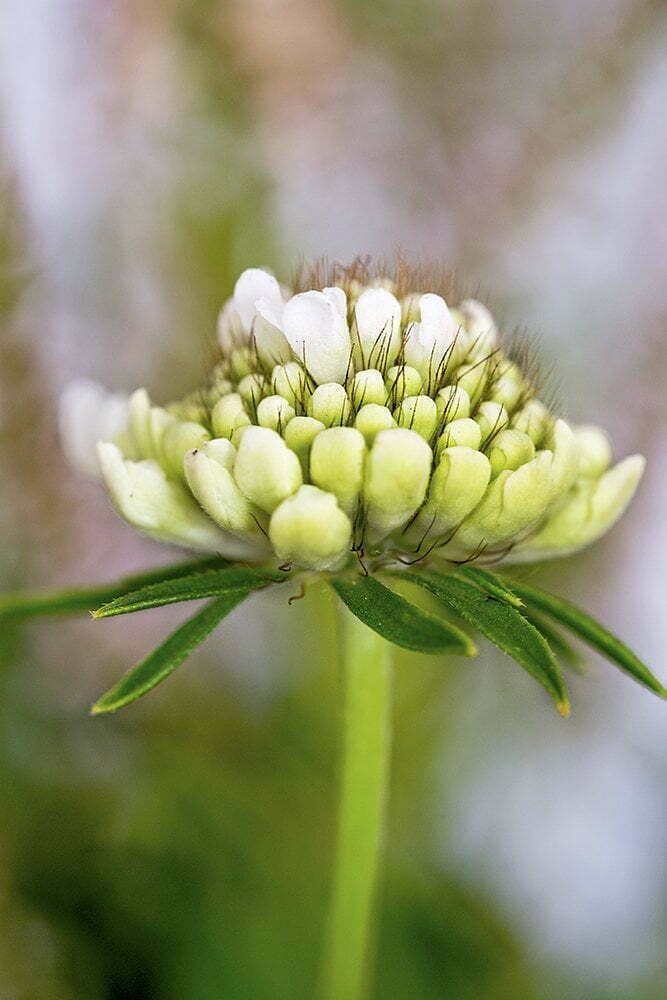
397, 475
465, 433
510, 449
532, 419
228, 414
492, 418
290, 382
299, 436
514, 501
252, 388
419, 413
337, 460
274, 412
594, 450
452, 403
402, 381
311, 530
329, 404
209, 474
180, 437
371, 419
591, 509
368, 387
265, 469
457, 485
155, 505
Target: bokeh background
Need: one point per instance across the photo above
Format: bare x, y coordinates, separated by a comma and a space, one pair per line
182, 849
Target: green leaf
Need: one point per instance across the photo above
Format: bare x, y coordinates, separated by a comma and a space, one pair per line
567, 653
493, 585
397, 620
66, 602
163, 660
504, 626
189, 588
592, 632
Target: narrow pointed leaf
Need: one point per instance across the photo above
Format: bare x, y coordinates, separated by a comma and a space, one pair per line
504, 626
493, 585
567, 653
591, 631
189, 588
164, 660
66, 602
397, 620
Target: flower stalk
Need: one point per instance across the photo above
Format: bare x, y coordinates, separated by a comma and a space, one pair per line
362, 807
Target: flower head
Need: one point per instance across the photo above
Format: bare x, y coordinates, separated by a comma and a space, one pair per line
362, 416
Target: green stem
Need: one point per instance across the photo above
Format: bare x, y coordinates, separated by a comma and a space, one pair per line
363, 795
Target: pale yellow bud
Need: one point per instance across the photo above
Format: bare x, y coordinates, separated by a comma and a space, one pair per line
397, 475
337, 460
265, 469
371, 419
418, 413
311, 530
329, 404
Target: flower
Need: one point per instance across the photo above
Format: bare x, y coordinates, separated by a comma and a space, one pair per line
363, 416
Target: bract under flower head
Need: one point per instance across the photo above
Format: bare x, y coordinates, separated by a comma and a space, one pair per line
363, 416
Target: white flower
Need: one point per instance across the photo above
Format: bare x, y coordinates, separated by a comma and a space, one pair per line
413, 436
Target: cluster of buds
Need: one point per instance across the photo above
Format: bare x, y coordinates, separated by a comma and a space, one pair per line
362, 419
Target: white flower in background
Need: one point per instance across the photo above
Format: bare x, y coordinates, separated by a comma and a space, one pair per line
362, 418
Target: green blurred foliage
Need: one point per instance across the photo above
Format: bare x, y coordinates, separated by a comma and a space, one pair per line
193, 861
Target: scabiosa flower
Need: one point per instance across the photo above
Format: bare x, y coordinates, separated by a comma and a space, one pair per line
363, 426
361, 416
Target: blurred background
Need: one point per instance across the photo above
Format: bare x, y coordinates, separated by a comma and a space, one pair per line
182, 849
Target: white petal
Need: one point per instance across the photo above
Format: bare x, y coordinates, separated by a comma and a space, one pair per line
318, 335
270, 340
252, 285
378, 315
480, 326
438, 327
230, 329
338, 298
86, 413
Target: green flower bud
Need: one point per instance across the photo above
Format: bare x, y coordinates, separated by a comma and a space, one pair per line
474, 378
155, 506
492, 418
209, 472
228, 414
329, 404
311, 530
513, 503
337, 460
178, 438
457, 485
465, 432
274, 412
368, 387
402, 381
594, 450
419, 413
591, 509
265, 468
299, 436
533, 420
371, 419
290, 382
508, 388
509, 450
252, 388
397, 475
452, 403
